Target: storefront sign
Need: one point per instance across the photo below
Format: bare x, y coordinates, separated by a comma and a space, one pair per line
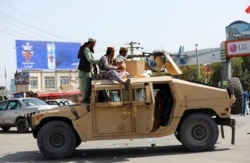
237, 48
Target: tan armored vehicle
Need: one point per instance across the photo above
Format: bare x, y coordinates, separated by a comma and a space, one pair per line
151, 107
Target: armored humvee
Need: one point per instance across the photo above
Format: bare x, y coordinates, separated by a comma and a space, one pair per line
155, 106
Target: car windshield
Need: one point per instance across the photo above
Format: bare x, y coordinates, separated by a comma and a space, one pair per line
33, 102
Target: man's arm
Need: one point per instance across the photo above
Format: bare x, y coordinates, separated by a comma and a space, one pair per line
89, 57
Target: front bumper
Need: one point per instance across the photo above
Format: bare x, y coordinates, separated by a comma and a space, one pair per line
28, 118
227, 122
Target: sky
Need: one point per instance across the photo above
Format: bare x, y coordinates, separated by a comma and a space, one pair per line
155, 24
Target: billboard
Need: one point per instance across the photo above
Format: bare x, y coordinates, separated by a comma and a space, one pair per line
46, 55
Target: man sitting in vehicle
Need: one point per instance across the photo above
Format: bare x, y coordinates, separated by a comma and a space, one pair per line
108, 63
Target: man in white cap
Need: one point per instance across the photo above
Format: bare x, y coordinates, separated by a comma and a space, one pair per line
85, 66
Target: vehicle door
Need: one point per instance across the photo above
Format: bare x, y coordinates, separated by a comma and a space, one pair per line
143, 102
2, 110
12, 111
112, 111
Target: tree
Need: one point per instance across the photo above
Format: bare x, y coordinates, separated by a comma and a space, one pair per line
216, 76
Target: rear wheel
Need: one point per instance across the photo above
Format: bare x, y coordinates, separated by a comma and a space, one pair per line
198, 132
57, 140
5, 128
22, 125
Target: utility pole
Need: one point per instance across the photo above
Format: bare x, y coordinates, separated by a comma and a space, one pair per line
132, 46
197, 62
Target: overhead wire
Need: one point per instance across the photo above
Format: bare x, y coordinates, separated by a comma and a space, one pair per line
13, 33
13, 21
59, 27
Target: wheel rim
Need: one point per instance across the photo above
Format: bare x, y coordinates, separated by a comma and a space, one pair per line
199, 133
57, 140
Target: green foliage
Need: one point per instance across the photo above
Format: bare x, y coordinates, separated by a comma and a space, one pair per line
216, 75
240, 68
188, 73
245, 74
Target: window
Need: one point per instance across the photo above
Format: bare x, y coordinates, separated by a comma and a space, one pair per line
34, 82
112, 96
140, 94
115, 95
49, 82
33, 102
3, 105
64, 80
14, 105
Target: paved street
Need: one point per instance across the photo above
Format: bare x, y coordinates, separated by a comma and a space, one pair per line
23, 148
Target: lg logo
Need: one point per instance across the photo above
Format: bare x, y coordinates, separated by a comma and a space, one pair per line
240, 47
233, 48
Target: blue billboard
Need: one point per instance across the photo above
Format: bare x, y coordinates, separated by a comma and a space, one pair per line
46, 55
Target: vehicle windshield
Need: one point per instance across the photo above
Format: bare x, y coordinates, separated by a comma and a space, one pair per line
33, 102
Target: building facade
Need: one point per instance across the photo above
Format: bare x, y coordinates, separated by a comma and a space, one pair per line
48, 84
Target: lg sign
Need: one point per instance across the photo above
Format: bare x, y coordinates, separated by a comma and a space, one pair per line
238, 48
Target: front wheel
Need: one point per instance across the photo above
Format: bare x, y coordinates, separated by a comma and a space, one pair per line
56, 140
198, 132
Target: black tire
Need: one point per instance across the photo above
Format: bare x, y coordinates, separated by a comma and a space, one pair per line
234, 86
78, 142
21, 125
198, 132
56, 140
5, 128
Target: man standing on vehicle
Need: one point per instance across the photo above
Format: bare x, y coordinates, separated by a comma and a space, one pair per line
86, 63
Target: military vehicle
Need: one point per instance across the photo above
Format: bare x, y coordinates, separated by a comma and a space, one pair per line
151, 107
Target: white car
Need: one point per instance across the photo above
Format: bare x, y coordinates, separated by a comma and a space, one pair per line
12, 112
59, 102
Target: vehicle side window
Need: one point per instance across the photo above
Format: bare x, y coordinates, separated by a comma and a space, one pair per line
13, 105
115, 96
3, 105
125, 95
139, 94
112, 96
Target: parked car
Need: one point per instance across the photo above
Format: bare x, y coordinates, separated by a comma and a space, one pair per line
59, 102
12, 112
